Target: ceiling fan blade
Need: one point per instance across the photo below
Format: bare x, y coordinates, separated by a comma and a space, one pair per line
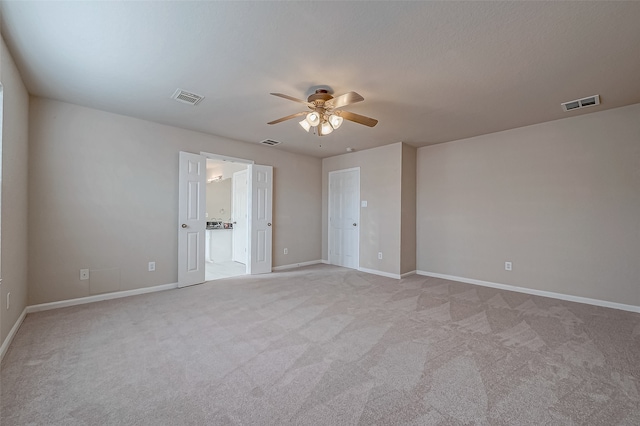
343, 100
288, 117
291, 98
357, 118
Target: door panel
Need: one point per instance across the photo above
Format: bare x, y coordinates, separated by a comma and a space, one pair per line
260, 181
240, 217
344, 218
192, 220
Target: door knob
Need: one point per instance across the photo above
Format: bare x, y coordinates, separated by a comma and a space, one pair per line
354, 224
184, 225
268, 224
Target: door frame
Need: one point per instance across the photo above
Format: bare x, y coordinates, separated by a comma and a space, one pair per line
226, 158
329, 214
248, 162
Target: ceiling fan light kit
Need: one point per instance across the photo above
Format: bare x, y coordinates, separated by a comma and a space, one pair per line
325, 115
305, 125
313, 118
335, 121
325, 128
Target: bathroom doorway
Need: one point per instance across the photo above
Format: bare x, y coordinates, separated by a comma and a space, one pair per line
194, 222
226, 219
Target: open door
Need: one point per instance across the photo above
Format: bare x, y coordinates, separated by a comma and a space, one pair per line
240, 201
260, 190
192, 222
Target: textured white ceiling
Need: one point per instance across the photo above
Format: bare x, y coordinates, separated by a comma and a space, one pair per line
429, 71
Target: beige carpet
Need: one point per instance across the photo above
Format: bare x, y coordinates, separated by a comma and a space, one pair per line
324, 345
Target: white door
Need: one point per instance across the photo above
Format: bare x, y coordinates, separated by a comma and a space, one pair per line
192, 222
344, 218
260, 182
240, 216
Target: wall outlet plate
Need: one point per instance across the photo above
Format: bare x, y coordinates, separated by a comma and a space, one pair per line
152, 266
508, 266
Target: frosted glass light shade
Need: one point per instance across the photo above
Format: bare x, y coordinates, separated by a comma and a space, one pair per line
335, 121
326, 128
305, 125
313, 118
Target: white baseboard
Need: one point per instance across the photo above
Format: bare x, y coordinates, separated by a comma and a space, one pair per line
407, 274
98, 298
296, 265
325, 261
553, 295
12, 333
383, 274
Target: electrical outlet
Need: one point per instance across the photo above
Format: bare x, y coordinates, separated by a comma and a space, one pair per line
152, 266
379, 255
286, 251
507, 266
8, 300
84, 274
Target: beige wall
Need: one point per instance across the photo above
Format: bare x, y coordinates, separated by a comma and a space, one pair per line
408, 211
561, 200
103, 193
13, 261
219, 198
380, 186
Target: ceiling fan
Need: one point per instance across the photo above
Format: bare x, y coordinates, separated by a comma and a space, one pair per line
325, 115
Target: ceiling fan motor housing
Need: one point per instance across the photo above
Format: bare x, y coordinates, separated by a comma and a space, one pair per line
320, 97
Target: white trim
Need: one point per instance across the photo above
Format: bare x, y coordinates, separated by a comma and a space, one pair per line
12, 334
325, 261
352, 169
296, 265
226, 158
375, 272
99, 298
551, 294
407, 274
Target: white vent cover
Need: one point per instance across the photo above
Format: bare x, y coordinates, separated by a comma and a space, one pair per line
270, 142
581, 103
187, 97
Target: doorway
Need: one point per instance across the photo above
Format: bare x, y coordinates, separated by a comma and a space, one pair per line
226, 213
344, 218
193, 247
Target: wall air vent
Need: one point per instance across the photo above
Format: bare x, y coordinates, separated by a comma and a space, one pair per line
186, 97
581, 103
270, 142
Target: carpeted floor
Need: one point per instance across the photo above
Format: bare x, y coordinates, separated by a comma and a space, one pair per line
324, 345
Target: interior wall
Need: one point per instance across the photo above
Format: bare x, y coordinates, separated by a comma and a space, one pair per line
380, 182
219, 199
103, 190
408, 210
13, 239
560, 200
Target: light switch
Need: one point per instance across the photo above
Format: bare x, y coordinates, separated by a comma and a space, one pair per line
364, 204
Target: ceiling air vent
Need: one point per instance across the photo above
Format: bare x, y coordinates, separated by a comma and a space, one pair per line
581, 103
270, 142
187, 97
